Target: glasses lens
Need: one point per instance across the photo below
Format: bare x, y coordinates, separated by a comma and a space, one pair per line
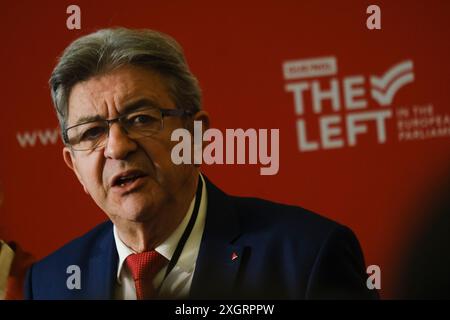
87, 136
143, 123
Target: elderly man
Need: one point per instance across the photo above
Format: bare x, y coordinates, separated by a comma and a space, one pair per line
119, 94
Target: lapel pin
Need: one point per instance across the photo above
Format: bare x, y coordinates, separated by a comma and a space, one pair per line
234, 256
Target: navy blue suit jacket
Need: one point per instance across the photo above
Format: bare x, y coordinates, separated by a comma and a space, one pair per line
284, 252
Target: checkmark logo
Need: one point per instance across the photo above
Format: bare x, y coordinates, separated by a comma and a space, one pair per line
386, 86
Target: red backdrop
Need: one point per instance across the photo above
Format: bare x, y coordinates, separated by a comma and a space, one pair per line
238, 49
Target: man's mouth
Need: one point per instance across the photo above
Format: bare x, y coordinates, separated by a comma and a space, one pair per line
127, 178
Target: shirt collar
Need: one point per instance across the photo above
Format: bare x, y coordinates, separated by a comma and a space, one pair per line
167, 248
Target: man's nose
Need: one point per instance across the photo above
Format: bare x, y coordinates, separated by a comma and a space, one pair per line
118, 145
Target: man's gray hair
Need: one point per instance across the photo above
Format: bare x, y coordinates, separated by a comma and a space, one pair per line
108, 49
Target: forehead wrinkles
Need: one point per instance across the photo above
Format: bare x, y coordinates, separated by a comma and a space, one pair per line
106, 94
100, 95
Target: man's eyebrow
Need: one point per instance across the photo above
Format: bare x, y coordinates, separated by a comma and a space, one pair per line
136, 105
85, 119
133, 106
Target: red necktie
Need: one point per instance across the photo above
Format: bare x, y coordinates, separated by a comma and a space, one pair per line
144, 267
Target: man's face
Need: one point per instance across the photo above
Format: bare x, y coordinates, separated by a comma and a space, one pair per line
160, 182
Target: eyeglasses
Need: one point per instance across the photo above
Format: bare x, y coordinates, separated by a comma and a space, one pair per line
140, 123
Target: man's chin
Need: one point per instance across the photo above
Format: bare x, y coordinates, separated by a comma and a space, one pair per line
137, 207
136, 215
134, 211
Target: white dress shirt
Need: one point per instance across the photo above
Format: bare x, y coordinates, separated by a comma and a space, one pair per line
178, 282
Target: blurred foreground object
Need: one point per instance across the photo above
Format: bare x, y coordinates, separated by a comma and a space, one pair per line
14, 263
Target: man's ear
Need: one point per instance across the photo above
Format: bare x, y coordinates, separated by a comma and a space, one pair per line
202, 116
69, 160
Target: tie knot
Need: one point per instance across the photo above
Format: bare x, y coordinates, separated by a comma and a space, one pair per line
145, 265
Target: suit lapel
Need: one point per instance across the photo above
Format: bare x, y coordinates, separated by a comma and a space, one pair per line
219, 256
103, 268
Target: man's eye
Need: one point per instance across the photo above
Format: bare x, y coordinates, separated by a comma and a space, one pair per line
92, 133
142, 119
